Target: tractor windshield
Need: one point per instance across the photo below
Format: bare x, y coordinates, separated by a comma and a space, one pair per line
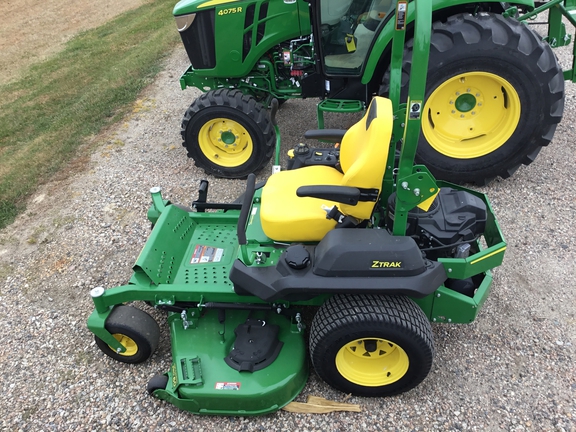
348, 28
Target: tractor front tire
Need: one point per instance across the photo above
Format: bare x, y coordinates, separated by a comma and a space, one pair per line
228, 134
137, 331
371, 345
494, 96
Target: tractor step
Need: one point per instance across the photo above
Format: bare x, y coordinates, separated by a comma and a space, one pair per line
338, 106
201, 381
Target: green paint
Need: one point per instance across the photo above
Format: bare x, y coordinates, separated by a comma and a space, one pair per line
201, 382
465, 102
227, 137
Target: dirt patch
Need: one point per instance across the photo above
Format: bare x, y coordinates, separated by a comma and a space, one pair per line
31, 30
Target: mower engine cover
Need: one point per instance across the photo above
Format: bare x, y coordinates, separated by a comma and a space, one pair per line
455, 217
367, 253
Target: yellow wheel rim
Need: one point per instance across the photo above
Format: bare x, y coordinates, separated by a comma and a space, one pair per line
372, 362
225, 142
471, 115
128, 343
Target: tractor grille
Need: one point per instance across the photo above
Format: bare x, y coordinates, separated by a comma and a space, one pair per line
199, 41
248, 27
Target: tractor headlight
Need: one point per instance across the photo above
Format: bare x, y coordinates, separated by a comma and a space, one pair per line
183, 22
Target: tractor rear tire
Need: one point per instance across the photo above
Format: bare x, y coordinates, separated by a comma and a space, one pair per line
228, 134
494, 96
371, 345
133, 328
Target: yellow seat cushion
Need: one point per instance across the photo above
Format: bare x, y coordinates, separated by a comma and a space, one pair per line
287, 217
363, 156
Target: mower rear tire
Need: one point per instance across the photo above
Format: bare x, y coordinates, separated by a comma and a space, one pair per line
371, 345
228, 134
494, 95
137, 331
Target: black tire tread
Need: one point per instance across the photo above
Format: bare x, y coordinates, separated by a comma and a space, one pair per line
465, 31
243, 103
351, 311
157, 382
136, 324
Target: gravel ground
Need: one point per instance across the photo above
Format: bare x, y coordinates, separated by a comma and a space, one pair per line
512, 369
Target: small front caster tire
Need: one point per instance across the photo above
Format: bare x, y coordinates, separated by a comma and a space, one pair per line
137, 331
158, 382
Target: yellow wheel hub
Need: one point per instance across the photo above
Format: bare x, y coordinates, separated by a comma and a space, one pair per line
372, 362
471, 115
225, 142
128, 343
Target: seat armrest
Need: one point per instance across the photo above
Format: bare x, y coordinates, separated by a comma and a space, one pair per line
329, 135
342, 194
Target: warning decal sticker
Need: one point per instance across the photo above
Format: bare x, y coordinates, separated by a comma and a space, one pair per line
227, 386
401, 9
206, 254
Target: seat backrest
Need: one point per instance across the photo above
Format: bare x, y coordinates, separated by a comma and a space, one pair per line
364, 153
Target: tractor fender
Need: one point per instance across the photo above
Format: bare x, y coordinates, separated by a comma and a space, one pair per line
384, 39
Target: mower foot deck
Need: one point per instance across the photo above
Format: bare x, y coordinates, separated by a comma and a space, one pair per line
202, 381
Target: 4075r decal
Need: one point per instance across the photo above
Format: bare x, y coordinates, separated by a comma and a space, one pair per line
229, 11
386, 264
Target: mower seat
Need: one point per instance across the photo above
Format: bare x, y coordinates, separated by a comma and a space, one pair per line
295, 203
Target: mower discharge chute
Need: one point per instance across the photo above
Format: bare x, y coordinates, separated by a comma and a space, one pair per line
378, 250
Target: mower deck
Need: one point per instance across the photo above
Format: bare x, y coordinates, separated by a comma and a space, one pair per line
202, 382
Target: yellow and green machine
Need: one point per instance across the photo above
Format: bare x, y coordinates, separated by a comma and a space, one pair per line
494, 94
342, 263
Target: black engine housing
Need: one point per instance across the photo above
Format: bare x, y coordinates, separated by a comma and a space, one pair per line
455, 218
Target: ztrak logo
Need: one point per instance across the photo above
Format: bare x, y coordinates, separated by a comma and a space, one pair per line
174, 376
386, 264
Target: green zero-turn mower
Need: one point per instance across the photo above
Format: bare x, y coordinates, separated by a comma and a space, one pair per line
378, 251
495, 91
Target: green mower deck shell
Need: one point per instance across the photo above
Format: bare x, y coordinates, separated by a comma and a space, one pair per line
201, 382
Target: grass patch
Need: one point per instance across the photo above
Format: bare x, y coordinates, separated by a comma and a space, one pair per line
5, 271
47, 115
39, 231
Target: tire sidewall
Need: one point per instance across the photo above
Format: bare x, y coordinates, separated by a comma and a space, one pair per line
135, 324
208, 114
419, 356
144, 348
158, 382
243, 109
528, 129
489, 42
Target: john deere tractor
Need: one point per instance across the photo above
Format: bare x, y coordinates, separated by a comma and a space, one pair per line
494, 96
368, 242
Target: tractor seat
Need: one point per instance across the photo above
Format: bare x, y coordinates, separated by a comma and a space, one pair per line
295, 203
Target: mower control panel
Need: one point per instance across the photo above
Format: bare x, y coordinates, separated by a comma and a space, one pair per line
302, 155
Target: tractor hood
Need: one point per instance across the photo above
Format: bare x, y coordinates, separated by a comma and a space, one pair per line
190, 6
